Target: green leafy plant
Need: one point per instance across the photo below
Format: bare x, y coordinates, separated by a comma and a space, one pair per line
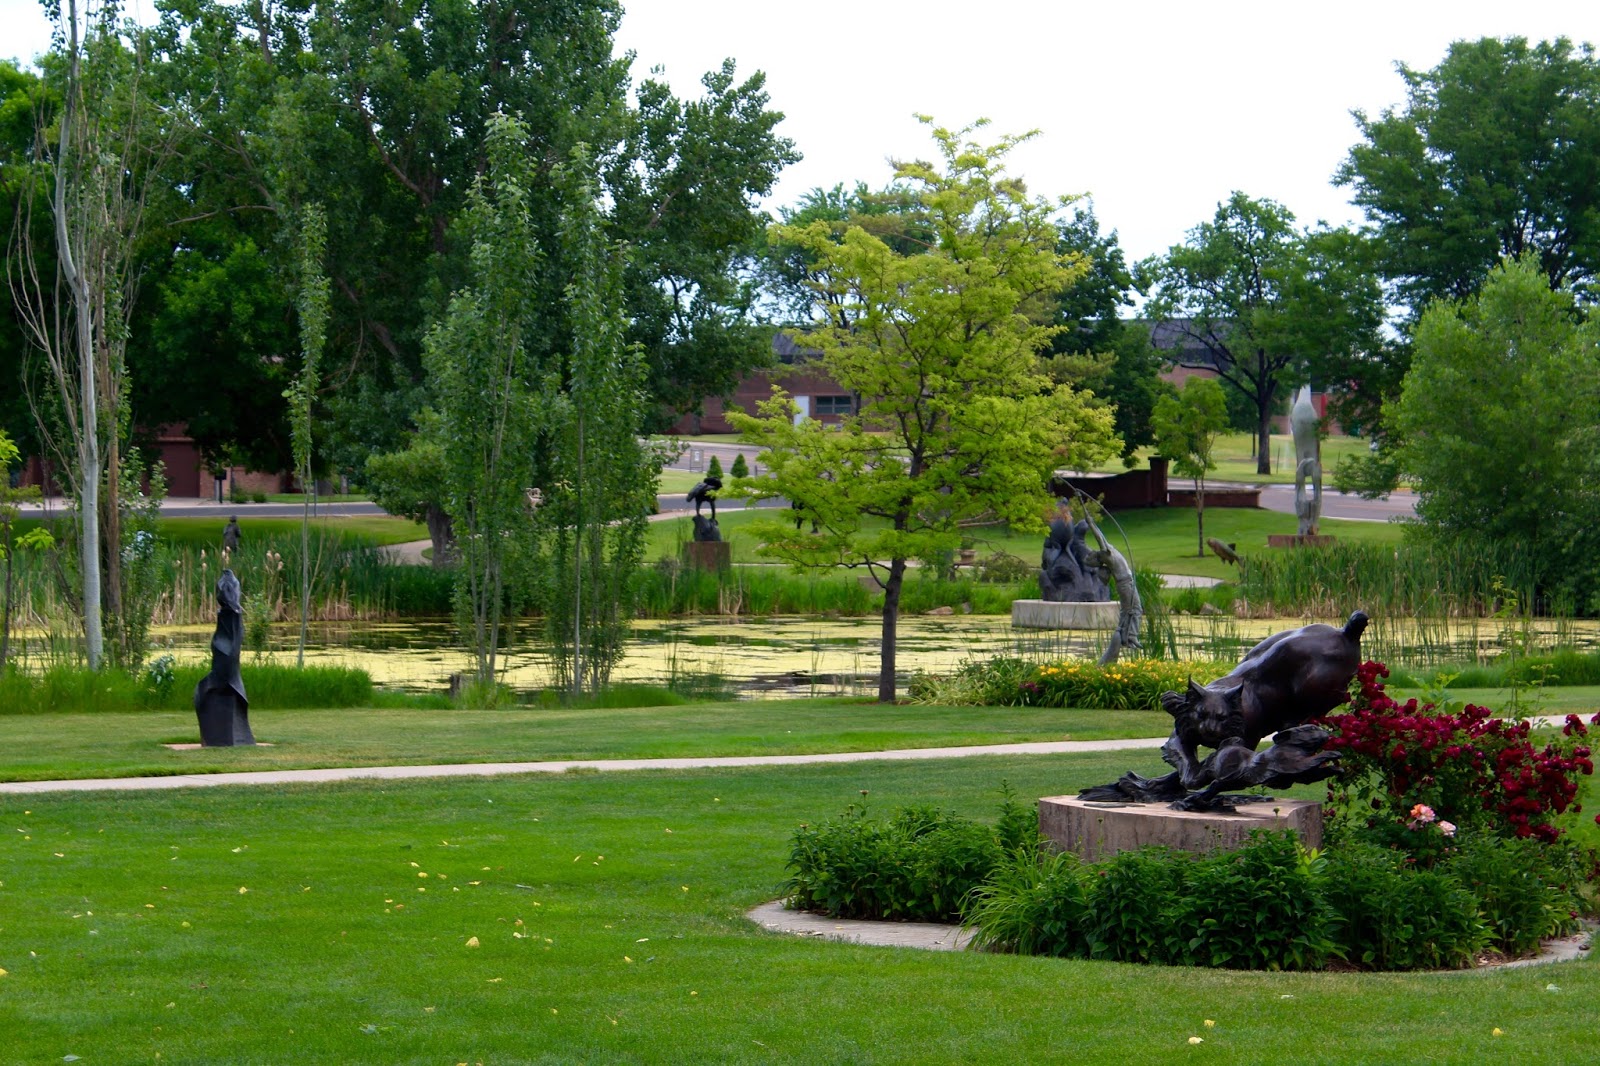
1393, 916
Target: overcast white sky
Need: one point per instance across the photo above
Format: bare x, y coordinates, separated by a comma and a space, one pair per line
1158, 110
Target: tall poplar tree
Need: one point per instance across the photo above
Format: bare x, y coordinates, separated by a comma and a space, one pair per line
478, 356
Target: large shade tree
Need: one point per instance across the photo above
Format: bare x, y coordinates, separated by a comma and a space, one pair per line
956, 421
1494, 153
1266, 305
378, 109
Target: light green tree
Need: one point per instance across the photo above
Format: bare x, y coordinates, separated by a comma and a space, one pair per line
1499, 417
955, 420
312, 305
1186, 426
479, 359
597, 480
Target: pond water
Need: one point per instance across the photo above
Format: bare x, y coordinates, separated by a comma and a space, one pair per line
802, 655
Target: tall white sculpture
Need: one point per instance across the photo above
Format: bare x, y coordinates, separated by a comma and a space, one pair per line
1308, 462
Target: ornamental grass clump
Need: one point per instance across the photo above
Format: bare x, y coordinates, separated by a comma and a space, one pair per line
1415, 779
1130, 685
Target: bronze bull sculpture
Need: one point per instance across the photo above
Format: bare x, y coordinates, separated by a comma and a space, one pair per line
1282, 683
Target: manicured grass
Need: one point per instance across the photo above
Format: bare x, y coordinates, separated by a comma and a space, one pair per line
41, 747
335, 497
272, 925
360, 529
680, 480
1161, 538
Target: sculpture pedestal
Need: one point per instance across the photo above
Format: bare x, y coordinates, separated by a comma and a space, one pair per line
1044, 614
1297, 540
1100, 830
707, 555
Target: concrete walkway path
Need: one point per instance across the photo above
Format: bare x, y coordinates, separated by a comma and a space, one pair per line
494, 769
561, 766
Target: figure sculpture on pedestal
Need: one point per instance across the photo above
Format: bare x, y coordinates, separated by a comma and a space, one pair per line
219, 699
706, 492
1068, 571
1283, 682
1308, 462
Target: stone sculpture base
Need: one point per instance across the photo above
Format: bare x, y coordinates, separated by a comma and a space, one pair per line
707, 555
1297, 540
1100, 830
1044, 614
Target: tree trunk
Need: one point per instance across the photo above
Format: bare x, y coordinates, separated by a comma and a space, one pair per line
891, 619
1200, 512
442, 533
1264, 437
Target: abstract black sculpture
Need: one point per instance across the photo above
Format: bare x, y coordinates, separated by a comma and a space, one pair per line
706, 530
219, 699
1069, 572
1283, 682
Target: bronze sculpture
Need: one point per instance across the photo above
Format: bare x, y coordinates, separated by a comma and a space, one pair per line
219, 699
1069, 572
1282, 683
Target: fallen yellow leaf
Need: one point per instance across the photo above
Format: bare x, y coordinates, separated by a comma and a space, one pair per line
472, 942
242, 890
626, 959
1210, 1024
1196, 1040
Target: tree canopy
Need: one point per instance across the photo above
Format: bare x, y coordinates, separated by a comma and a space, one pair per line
1494, 154
1498, 418
941, 344
1266, 305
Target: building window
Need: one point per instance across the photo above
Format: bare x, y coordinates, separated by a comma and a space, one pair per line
830, 405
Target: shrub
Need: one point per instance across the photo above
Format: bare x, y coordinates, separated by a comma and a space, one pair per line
1392, 916
714, 468
1254, 908
1032, 904
1128, 685
1467, 771
1127, 919
739, 468
1525, 891
1005, 567
919, 865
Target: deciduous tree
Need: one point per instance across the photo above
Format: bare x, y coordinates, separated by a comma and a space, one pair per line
1493, 154
955, 421
1499, 415
1186, 426
1267, 304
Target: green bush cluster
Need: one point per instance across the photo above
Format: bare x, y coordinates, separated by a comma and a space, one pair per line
1270, 905
1255, 908
1127, 685
1273, 905
919, 865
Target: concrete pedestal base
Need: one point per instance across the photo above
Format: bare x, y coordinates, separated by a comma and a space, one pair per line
707, 555
1042, 614
1295, 540
1100, 830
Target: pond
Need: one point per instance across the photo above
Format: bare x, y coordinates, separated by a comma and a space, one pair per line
804, 656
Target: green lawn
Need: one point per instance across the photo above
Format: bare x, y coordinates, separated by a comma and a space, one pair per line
337, 924
1162, 538
51, 746
360, 529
